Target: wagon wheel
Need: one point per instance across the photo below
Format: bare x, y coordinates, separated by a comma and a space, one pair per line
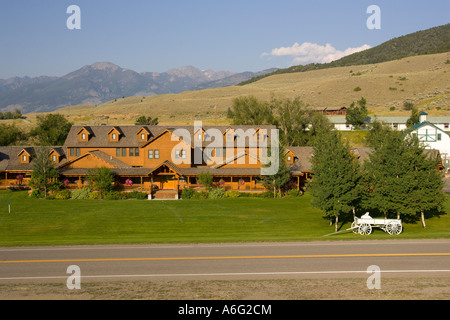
354, 227
365, 229
394, 227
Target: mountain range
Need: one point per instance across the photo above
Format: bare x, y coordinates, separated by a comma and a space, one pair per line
104, 81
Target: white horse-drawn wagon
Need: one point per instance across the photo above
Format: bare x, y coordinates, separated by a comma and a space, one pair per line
366, 223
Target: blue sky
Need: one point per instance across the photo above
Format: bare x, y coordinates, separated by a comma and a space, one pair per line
234, 35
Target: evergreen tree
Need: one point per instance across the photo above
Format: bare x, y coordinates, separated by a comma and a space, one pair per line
335, 177
43, 171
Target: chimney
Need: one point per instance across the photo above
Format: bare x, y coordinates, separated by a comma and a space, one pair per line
423, 116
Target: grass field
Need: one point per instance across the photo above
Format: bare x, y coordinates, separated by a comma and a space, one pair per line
70, 222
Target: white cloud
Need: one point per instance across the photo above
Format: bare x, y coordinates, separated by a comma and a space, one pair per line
308, 52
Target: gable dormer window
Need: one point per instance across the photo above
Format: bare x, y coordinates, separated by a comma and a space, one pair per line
143, 134
24, 156
83, 134
114, 135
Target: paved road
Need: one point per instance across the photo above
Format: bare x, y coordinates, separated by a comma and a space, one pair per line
227, 261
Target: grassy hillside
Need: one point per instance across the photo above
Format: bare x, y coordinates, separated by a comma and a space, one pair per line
433, 40
423, 80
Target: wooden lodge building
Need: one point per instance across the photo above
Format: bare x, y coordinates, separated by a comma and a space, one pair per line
154, 158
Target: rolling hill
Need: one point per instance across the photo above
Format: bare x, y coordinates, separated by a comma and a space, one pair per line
433, 40
423, 80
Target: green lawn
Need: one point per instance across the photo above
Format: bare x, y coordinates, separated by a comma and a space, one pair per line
68, 222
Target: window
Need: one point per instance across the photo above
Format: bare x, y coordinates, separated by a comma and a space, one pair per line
439, 137
136, 152
446, 125
289, 159
199, 136
153, 154
180, 154
121, 152
24, 158
114, 136
74, 152
54, 158
131, 152
83, 136
142, 136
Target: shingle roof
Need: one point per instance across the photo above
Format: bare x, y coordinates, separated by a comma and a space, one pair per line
10, 161
99, 137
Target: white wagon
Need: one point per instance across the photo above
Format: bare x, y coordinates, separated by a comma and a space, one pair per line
366, 223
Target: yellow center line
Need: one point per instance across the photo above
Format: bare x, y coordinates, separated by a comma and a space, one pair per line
229, 257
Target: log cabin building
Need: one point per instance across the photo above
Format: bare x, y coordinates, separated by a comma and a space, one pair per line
154, 158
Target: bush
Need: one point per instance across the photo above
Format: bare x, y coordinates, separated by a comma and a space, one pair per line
357, 89
81, 193
232, 194
295, 193
266, 194
37, 194
94, 195
188, 193
137, 195
200, 195
63, 194
114, 195
216, 193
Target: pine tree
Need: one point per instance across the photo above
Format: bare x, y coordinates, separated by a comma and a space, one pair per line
336, 177
403, 181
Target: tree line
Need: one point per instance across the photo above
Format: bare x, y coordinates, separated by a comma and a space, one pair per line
50, 130
399, 179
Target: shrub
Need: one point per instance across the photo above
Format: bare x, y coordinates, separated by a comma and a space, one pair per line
37, 194
357, 89
137, 195
266, 194
295, 193
232, 194
216, 193
187, 193
114, 195
63, 194
200, 195
94, 195
81, 193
